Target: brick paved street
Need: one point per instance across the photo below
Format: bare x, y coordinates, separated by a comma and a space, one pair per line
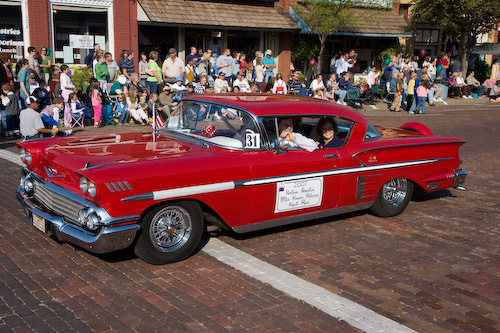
436, 267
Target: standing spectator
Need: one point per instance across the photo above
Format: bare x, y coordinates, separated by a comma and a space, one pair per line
41, 94
34, 66
422, 91
443, 61
101, 72
225, 64
153, 80
6, 74
112, 66
370, 81
279, 86
33, 84
95, 97
128, 65
89, 59
457, 65
192, 55
259, 72
123, 56
66, 86
352, 58
412, 87
45, 64
269, 64
243, 64
10, 102
172, 67
24, 85
190, 75
398, 93
143, 64
236, 65
203, 67
341, 65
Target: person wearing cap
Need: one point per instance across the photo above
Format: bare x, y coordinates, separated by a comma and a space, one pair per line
31, 124
32, 83
295, 86
225, 64
269, 64
178, 84
220, 83
172, 67
166, 99
241, 83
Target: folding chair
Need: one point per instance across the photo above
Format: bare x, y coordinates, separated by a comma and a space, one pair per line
354, 100
77, 119
388, 95
107, 116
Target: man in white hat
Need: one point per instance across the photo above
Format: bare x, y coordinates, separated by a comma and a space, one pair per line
269, 64
31, 124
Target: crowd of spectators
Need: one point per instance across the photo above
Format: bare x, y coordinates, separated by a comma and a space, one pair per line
133, 93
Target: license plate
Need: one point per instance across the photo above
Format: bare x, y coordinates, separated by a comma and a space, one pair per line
39, 223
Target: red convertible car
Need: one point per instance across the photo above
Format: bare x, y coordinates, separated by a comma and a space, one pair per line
241, 162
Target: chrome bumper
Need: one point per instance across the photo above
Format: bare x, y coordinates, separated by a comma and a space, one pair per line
107, 238
459, 180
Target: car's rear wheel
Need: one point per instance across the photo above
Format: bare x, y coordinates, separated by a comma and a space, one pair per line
393, 197
170, 233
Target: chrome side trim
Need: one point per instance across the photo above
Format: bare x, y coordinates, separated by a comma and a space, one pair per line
301, 218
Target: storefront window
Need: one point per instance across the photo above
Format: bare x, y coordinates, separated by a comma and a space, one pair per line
76, 31
11, 32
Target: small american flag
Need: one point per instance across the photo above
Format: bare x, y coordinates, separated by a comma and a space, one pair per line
158, 122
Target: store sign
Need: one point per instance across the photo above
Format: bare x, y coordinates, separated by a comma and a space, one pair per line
81, 41
11, 42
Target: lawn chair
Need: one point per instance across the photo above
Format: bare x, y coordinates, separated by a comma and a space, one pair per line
353, 100
107, 115
388, 94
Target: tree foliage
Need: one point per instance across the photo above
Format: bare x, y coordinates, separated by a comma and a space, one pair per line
462, 19
325, 17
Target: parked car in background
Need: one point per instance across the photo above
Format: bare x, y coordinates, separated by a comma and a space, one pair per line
221, 160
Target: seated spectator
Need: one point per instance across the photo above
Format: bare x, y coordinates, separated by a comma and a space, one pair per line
120, 109
154, 104
295, 86
495, 92
41, 94
435, 92
76, 106
177, 85
466, 91
475, 85
33, 83
119, 86
50, 113
279, 86
317, 87
11, 107
136, 83
241, 83
344, 82
168, 99
254, 88
31, 124
221, 83
455, 90
143, 103
135, 110
236, 89
202, 87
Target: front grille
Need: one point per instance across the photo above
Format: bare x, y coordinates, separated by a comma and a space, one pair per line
57, 203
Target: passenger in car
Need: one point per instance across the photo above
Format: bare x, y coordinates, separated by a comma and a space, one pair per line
327, 132
291, 139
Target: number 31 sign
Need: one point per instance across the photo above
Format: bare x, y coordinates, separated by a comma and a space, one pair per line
252, 139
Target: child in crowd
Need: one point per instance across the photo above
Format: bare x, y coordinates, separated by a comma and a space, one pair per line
399, 91
422, 92
135, 110
143, 103
154, 104
411, 91
10, 101
101, 71
120, 109
50, 113
95, 97
76, 106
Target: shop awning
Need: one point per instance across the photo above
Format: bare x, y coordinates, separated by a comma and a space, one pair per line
215, 15
486, 48
376, 23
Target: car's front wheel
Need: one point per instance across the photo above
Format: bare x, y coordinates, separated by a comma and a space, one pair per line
170, 233
393, 197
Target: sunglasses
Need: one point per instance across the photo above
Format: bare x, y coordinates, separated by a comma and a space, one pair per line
327, 129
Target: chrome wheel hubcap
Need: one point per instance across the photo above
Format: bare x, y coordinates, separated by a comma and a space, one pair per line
170, 229
395, 191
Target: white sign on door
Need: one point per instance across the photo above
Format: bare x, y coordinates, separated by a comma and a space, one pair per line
298, 194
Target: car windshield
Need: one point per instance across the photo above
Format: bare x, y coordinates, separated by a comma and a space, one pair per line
218, 124
371, 132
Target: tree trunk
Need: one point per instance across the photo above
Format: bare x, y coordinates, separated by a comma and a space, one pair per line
322, 40
462, 52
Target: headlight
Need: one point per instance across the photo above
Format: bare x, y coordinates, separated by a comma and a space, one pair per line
28, 157
22, 154
91, 221
87, 217
92, 189
84, 185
